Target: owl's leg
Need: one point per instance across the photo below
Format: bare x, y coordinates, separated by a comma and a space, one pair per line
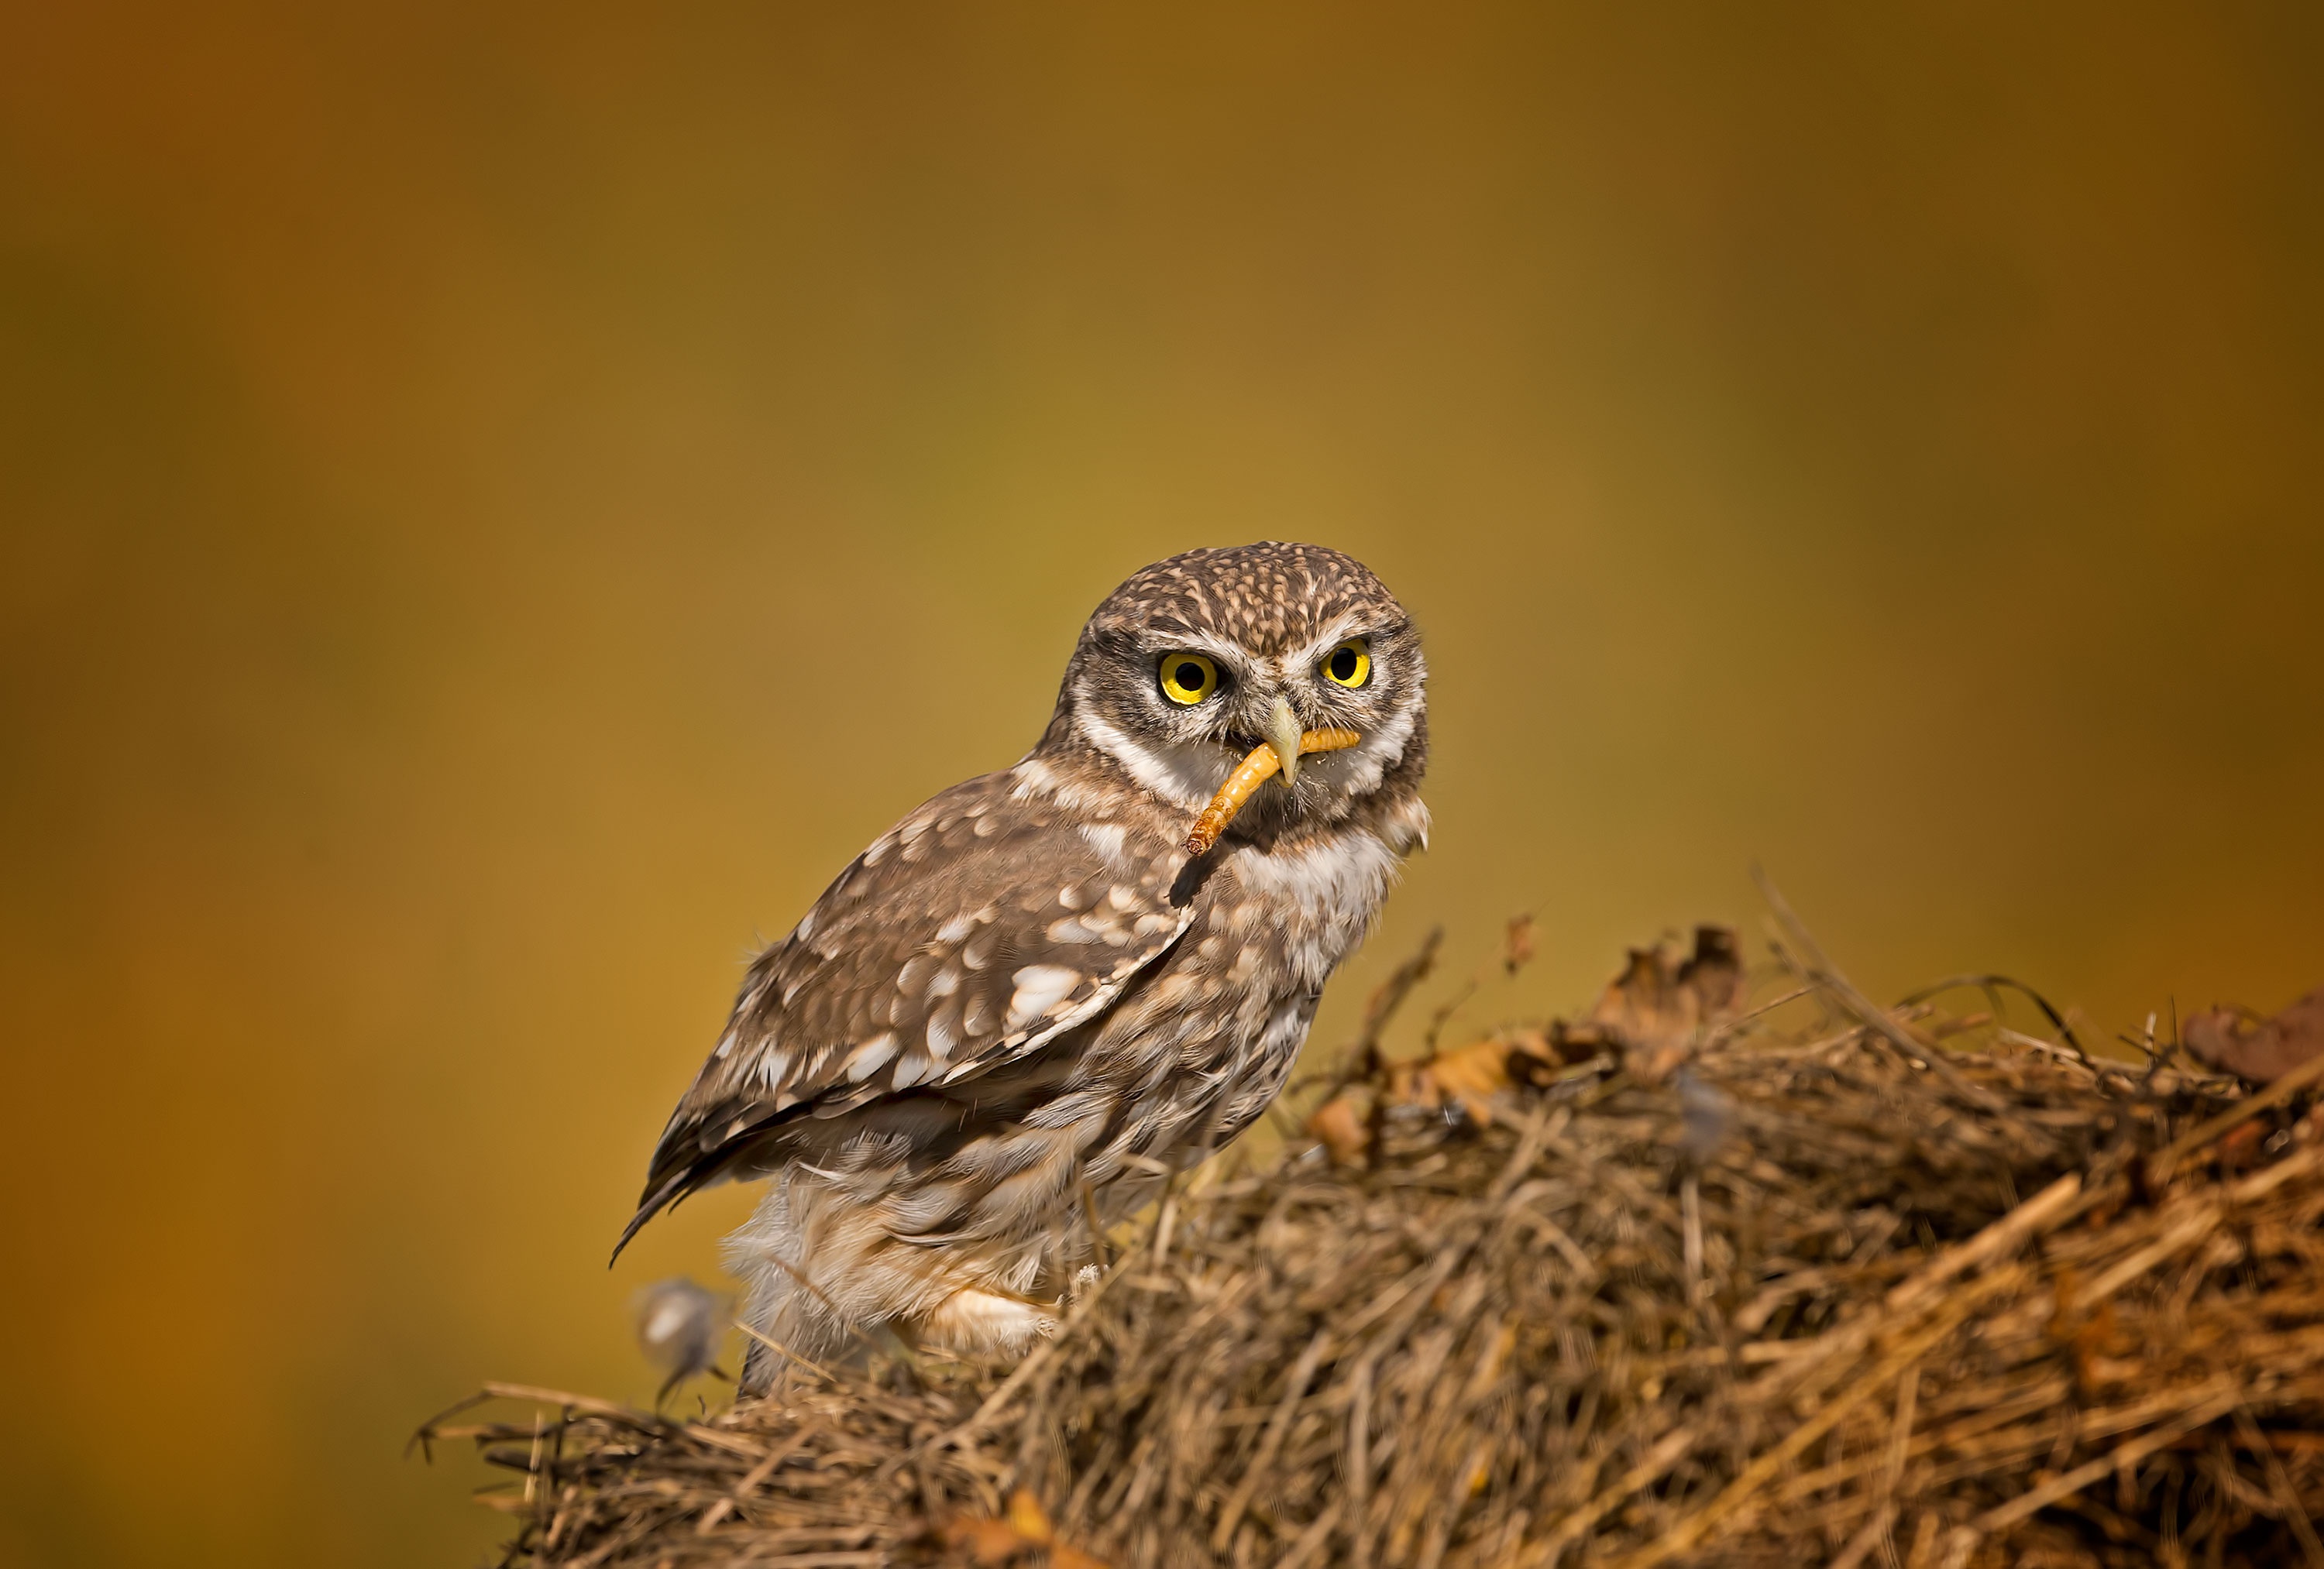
783, 1255
981, 1323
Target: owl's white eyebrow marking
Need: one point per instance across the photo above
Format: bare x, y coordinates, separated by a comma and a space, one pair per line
1039, 985
1338, 629
1230, 653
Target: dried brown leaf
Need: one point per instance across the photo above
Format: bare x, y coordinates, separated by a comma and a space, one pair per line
1341, 1129
2262, 1051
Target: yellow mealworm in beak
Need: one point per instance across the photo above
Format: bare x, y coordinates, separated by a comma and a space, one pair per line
1250, 773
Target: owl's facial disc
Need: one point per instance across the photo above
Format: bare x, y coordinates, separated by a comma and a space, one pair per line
1197, 662
1181, 709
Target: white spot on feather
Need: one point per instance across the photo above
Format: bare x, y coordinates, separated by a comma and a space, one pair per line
867, 1058
1106, 839
1039, 985
1033, 778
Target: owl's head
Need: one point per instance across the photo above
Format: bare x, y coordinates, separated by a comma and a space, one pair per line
1197, 660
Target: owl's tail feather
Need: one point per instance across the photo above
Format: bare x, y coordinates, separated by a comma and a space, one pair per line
687, 1160
657, 1200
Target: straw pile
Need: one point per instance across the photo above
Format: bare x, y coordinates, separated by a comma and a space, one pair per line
1677, 1284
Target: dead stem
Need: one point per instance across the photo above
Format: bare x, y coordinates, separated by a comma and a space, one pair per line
1910, 1304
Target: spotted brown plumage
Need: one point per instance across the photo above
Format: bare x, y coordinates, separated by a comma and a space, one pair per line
970, 932
1026, 999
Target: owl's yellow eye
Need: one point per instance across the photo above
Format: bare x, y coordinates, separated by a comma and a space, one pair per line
1188, 678
1350, 664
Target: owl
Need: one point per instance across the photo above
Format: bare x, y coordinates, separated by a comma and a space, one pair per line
1032, 1000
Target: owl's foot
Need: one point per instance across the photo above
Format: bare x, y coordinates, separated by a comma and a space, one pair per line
986, 1324
1083, 1279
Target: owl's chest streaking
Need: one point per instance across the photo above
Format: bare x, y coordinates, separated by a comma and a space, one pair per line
947, 1114
1270, 927
1196, 1050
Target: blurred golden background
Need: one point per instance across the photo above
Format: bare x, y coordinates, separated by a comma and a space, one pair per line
500, 503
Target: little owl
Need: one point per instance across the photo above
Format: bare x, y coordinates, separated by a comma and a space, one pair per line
1030, 1001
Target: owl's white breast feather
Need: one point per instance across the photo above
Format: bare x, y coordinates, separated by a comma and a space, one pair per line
1326, 894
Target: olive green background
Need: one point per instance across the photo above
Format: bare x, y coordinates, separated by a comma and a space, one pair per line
500, 503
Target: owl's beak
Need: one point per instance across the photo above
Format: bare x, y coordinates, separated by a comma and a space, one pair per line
1283, 736
1278, 754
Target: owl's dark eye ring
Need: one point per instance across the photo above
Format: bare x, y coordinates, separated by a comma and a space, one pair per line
1350, 664
1188, 678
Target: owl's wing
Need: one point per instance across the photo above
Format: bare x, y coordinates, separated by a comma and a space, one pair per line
972, 931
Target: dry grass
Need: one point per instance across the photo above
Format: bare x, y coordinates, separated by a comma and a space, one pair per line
1829, 1293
